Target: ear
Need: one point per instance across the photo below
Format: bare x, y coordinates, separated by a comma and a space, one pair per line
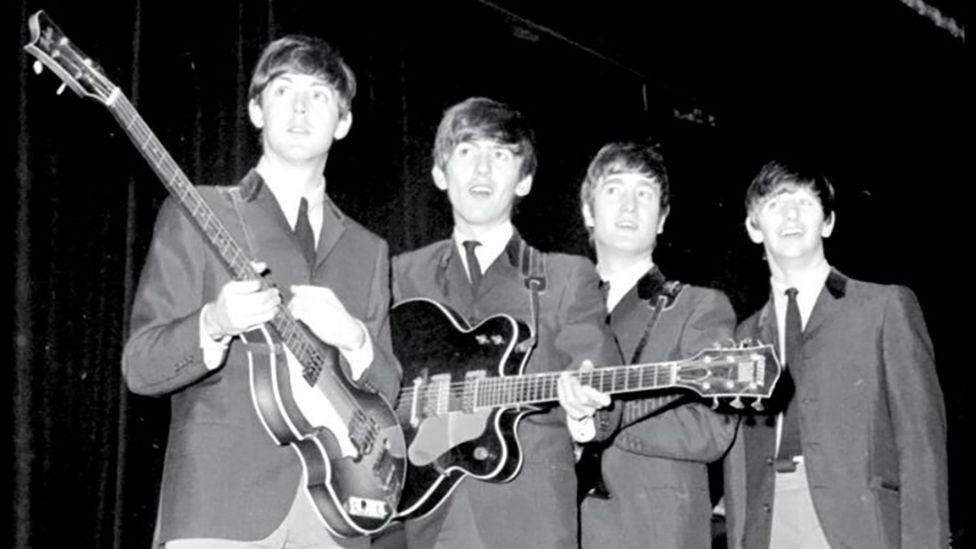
255, 113
828, 226
440, 180
661, 219
752, 227
588, 216
523, 187
342, 128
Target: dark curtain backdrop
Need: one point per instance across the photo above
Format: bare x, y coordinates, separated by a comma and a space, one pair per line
86, 456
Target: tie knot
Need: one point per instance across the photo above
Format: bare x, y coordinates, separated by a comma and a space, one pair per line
791, 293
303, 206
470, 245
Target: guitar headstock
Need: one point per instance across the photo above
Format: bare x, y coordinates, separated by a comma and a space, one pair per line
53, 49
732, 372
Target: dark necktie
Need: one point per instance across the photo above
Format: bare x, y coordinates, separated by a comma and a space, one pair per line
303, 232
474, 268
789, 445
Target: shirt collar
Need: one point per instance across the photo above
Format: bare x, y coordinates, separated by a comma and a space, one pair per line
624, 279
493, 243
808, 286
288, 195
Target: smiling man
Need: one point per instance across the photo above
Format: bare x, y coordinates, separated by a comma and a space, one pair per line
853, 454
226, 484
655, 475
484, 159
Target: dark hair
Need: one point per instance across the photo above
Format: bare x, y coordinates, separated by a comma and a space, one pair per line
483, 118
627, 157
775, 175
304, 55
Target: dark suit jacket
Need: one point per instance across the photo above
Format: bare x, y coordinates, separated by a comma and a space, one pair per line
872, 420
537, 508
674, 506
223, 476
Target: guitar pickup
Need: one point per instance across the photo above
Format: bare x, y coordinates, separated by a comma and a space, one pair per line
366, 507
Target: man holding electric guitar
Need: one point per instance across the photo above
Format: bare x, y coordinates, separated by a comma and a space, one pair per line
484, 160
654, 489
199, 337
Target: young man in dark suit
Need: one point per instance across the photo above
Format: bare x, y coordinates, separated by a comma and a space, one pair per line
655, 469
484, 159
225, 482
857, 457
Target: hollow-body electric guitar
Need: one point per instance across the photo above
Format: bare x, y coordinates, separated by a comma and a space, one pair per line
349, 440
464, 393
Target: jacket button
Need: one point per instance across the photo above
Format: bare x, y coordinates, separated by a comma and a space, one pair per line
767, 508
770, 461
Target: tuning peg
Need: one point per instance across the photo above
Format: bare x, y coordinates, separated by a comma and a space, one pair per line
61, 89
758, 406
38, 67
714, 403
737, 403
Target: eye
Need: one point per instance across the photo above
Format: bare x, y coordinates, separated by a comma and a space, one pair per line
502, 155
321, 95
645, 193
463, 150
279, 90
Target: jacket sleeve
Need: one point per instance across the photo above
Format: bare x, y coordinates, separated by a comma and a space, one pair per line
583, 333
691, 430
918, 417
163, 353
383, 374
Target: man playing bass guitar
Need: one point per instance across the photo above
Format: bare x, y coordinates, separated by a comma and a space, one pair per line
225, 483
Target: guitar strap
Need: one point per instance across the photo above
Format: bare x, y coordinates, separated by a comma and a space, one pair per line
533, 267
665, 299
635, 410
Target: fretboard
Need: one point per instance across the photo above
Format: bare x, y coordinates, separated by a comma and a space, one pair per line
541, 388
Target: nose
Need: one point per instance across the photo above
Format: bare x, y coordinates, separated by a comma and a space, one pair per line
628, 201
483, 162
791, 210
300, 103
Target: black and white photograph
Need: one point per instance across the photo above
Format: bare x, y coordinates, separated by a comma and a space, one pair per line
487, 274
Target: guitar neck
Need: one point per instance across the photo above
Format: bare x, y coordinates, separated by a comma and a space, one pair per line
532, 389
220, 239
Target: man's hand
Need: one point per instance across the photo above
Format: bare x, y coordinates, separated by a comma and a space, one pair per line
240, 306
578, 400
324, 314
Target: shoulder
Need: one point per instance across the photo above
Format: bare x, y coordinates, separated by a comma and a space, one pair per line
428, 256
702, 297
354, 230
568, 265
750, 326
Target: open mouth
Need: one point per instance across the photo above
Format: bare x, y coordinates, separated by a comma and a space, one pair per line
791, 232
483, 191
626, 224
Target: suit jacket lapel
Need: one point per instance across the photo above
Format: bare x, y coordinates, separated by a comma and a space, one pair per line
333, 225
828, 302
504, 268
630, 316
452, 280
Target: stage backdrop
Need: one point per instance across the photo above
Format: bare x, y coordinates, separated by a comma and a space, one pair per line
86, 455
